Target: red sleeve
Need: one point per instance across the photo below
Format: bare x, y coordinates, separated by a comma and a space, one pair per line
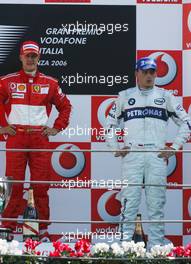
3, 98
63, 106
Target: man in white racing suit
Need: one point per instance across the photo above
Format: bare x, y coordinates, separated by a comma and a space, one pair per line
144, 112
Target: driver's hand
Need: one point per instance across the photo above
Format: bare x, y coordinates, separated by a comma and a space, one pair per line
122, 153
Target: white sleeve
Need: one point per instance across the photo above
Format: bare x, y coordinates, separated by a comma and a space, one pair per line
181, 118
112, 125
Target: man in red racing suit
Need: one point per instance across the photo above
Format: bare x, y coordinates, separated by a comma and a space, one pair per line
27, 97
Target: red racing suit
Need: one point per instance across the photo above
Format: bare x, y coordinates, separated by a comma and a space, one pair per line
27, 101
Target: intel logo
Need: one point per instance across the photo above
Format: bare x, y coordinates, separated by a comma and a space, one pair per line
159, 101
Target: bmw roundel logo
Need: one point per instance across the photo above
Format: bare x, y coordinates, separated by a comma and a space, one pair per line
131, 101
114, 107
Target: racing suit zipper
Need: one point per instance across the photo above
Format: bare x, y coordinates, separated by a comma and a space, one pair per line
145, 104
30, 81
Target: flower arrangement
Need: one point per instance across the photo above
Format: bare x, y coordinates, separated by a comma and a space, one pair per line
84, 252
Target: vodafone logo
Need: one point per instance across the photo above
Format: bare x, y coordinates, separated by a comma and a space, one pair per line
103, 110
68, 164
172, 164
167, 68
186, 26
189, 21
189, 109
108, 206
189, 207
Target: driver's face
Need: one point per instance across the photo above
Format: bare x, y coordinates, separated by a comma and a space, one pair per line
29, 61
146, 78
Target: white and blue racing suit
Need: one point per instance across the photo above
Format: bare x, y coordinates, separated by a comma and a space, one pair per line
144, 115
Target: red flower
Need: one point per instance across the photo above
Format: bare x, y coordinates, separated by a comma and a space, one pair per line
86, 247
188, 250
61, 247
55, 253
57, 244
179, 251
38, 253
80, 254
65, 247
171, 254
73, 254
31, 244
78, 245
187, 253
82, 245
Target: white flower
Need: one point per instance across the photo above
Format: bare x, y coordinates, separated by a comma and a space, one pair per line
117, 250
3, 246
139, 249
134, 248
9, 248
162, 251
3, 250
100, 248
3, 242
115, 245
156, 251
127, 246
149, 255
13, 248
140, 244
14, 243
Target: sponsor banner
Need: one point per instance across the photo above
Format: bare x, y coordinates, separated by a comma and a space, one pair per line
185, 72
70, 166
105, 166
169, 68
105, 207
187, 211
175, 240
186, 26
67, 1
96, 2
22, 2
159, 1
101, 105
174, 170
71, 205
187, 104
187, 164
87, 54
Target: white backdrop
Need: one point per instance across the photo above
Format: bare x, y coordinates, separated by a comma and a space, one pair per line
163, 28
